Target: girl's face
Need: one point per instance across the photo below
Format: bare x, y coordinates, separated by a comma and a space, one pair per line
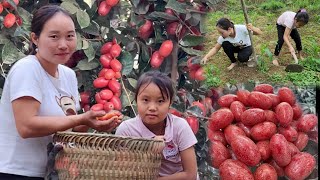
298, 24
57, 40
224, 33
152, 107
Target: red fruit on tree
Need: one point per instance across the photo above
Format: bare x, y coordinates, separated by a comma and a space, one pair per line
115, 50
98, 99
169, 11
19, 20
192, 66
172, 28
145, 30
6, 4
102, 72
116, 103
97, 107
116, 65
85, 97
109, 74
105, 61
100, 82
104, 8
9, 20
1, 8
175, 112
166, 48
200, 105
193, 123
106, 48
199, 74
117, 75
108, 106
112, 2
106, 94
156, 60
114, 86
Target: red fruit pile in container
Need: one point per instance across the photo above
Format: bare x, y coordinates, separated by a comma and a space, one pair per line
108, 98
264, 130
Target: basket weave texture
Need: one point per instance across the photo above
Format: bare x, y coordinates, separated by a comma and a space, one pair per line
91, 156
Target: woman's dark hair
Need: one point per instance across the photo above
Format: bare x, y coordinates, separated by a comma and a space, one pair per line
225, 24
164, 83
40, 17
302, 16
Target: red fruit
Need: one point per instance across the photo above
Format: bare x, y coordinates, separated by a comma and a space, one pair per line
115, 65
284, 114
218, 153
232, 132
260, 100
102, 72
98, 98
9, 20
246, 150
1, 8
112, 2
114, 86
97, 107
106, 48
169, 11
192, 66
264, 88
116, 103
85, 97
234, 169
145, 30
253, 116
105, 61
166, 48
263, 131
18, 20
100, 82
106, 94
264, 149
172, 28
117, 75
193, 123
156, 60
104, 8
286, 95
297, 111
6, 4
307, 122
199, 74
118, 94
265, 172
217, 136
115, 50
237, 108
86, 107
192, 74
301, 166
280, 150
275, 99
207, 101
108, 106
109, 74
220, 119
226, 100
200, 105
243, 96
175, 112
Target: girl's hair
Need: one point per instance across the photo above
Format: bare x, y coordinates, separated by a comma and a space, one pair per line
164, 83
40, 17
224, 23
302, 16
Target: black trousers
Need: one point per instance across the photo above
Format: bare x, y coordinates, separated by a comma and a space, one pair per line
243, 53
294, 35
4, 176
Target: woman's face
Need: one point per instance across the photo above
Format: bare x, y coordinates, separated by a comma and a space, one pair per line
57, 40
224, 33
152, 107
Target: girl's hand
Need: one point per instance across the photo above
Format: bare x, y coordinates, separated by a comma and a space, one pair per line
250, 27
204, 60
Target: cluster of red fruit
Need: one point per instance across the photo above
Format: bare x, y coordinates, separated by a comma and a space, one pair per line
163, 52
105, 6
108, 98
195, 70
10, 19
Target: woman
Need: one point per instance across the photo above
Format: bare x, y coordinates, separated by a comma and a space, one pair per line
40, 97
233, 39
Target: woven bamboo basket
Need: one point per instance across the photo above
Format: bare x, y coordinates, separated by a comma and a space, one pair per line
90, 156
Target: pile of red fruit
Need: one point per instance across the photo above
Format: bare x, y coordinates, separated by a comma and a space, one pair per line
105, 6
263, 130
108, 96
10, 19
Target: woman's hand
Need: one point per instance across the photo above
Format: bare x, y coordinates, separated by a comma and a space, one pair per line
90, 118
204, 60
250, 27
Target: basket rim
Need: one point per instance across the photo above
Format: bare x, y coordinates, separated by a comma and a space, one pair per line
105, 135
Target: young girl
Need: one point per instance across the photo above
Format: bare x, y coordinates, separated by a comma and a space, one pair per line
233, 39
40, 97
154, 94
287, 25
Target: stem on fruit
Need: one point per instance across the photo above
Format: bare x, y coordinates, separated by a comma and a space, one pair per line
125, 90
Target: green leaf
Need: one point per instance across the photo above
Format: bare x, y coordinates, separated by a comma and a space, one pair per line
177, 6
126, 99
192, 40
89, 2
85, 44
203, 24
70, 7
11, 2
93, 29
26, 17
192, 51
135, 2
126, 60
10, 53
20, 32
155, 15
194, 19
79, 41
85, 65
142, 8
90, 52
83, 18
3, 39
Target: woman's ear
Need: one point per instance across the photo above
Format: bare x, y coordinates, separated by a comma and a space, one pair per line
34, 38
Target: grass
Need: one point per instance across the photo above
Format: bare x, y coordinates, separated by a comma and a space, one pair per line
263, 14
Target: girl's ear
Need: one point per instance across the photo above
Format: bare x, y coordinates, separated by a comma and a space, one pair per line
34, 38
